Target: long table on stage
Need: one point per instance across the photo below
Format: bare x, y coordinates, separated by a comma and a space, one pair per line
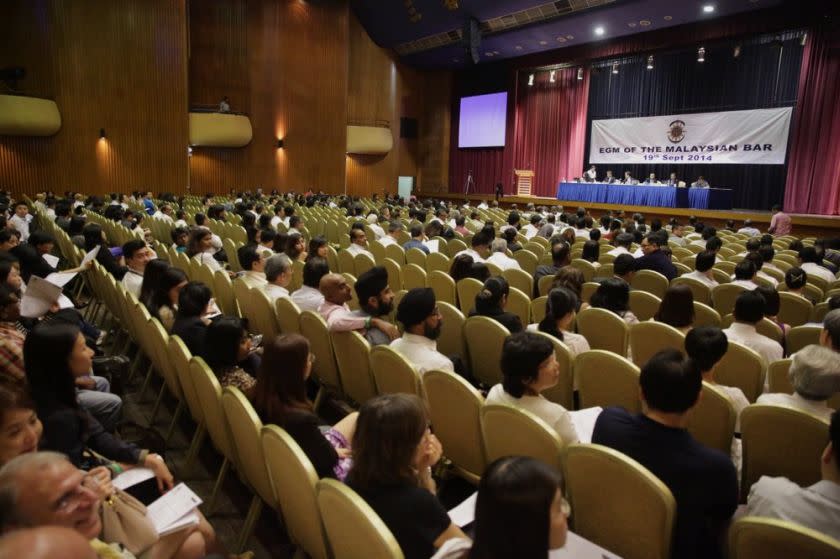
643, 195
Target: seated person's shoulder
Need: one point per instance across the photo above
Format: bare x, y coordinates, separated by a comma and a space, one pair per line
770, 487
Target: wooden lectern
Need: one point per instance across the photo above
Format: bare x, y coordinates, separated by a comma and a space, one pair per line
524, 178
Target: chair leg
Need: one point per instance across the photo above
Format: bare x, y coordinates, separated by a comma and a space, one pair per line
195, 445
156, 407
150, 372
211, 505
175, 416
319, 398
250, 520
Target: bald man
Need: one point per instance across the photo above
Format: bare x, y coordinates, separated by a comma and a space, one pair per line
46, 542
339, 317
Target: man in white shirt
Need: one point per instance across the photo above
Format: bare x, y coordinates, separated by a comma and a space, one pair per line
748, 229
253, 264
623, 241
338, 315
749, 311
815, 375
309, 296
499, 258
591, 174
530, 230
278, 275
373, 223
480, 247
136, 255
817, 506
392, 238
483, 205
703, 263
810, 260
677, 233
164, 213
278, 216
358, 243
422, 322
745, 275
21, 220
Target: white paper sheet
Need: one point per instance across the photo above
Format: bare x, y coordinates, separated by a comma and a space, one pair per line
463, 514
433, 245
132, 477
39, 297
170, 509
60, 278
51, 260
584, 422
91, 255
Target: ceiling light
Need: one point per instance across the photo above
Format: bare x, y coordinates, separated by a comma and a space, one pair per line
701, 54
615, 68
708, 8
599, 30
650, 62
580, 74
531, 80
551, 76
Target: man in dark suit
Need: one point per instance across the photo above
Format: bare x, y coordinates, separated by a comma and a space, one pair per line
655, 258
610, 179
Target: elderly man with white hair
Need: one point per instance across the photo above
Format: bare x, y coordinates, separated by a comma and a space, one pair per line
815, 375
373, 223
499, 258
278, 273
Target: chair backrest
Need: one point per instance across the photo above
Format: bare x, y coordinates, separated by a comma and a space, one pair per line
362, 263
263, 316
770, 538
587, 290
604, 329
452, 341
346, 263
485, 337
293, 480
245, 425
520, 279
777, 376
314, 328
209, 393
225, 298
544, 284
468, 288
180, 358
352, 526
417, 257
413, 275
538, 309
702, 292
647, 338
587, 268
604, 485
437, 261
643, 304
528, 261
443, 285
396, 253
352, 354
650, 281
800, 336
765, 429
741, 367
712, 421
607, 379
509, 431
395, 278
820, 310
704, 315
519, 303
724, 296
392, 373
455, 411
563, 392
287, 315
793, 309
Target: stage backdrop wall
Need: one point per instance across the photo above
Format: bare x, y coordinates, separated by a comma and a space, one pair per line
765, 74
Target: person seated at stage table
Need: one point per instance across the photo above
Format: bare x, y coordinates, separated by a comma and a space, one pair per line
673, 180
652, 180
628, 178
654, 258
610, 179
700, 183
591, 175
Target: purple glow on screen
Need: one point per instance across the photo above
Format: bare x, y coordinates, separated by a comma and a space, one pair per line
482, 122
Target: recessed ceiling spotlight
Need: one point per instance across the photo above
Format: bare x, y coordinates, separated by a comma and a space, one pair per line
599, 30
644, 22
551, 76
518, 47
543, 43
561, 39
531, 80
570, 37
488, 53
708, 8
632, 24
667, 18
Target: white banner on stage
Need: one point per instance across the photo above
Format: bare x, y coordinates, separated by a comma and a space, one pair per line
745, 137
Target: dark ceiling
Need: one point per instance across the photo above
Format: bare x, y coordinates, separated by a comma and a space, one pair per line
427, 33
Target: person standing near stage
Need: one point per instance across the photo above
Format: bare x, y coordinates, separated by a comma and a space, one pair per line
779, 223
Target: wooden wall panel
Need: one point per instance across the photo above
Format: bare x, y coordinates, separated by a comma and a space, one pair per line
289, 60
434, 132
120, 66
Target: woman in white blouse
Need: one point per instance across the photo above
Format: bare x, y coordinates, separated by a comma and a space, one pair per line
559, 317
529, 367
200, 248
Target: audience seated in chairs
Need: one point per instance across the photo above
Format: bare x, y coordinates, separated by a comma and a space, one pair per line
830, 335
654, 257
677, 308
817, 506
279, 397
318, 248
573, 280
614, 295
520, 512
163, 302
200, 248
152, 274
529, 366
560, 311
253, 266
227, 351
278, 275
499, 258
376, 299
422, 323
491, 302
393, 452
136, 255
309, 296
749, 311
559, 259
192, 316
703, 480
295, 247
815, 375
706, 346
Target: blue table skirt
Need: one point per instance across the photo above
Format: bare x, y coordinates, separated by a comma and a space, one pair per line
641, 195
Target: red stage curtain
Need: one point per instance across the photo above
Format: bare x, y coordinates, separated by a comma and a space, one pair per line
550, 129
813, 178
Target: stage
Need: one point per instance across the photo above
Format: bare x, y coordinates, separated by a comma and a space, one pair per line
804, 225
646, 195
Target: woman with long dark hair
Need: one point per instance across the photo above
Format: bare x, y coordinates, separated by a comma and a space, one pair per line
491, 302
295, 247
152, 274
318, 247
520, 512
560, 313
163, 302
279, 397
614, 295
226, 345
393, 452
677, 308
200, 248
95, 237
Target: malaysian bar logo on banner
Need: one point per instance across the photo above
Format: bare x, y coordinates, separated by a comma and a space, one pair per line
745, 137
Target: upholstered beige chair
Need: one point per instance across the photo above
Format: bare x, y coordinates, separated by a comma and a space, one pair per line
352, 355
770, 538
414, 275
724, 296
742, 367
287, 315
325, 370
485, 337
607, 379
651, 282
603, 486
509, 431
468, 288
443, 285
702, 292
521, 280
647, 338
712, 421
643, 304
604, 330
392, 373
800, 336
